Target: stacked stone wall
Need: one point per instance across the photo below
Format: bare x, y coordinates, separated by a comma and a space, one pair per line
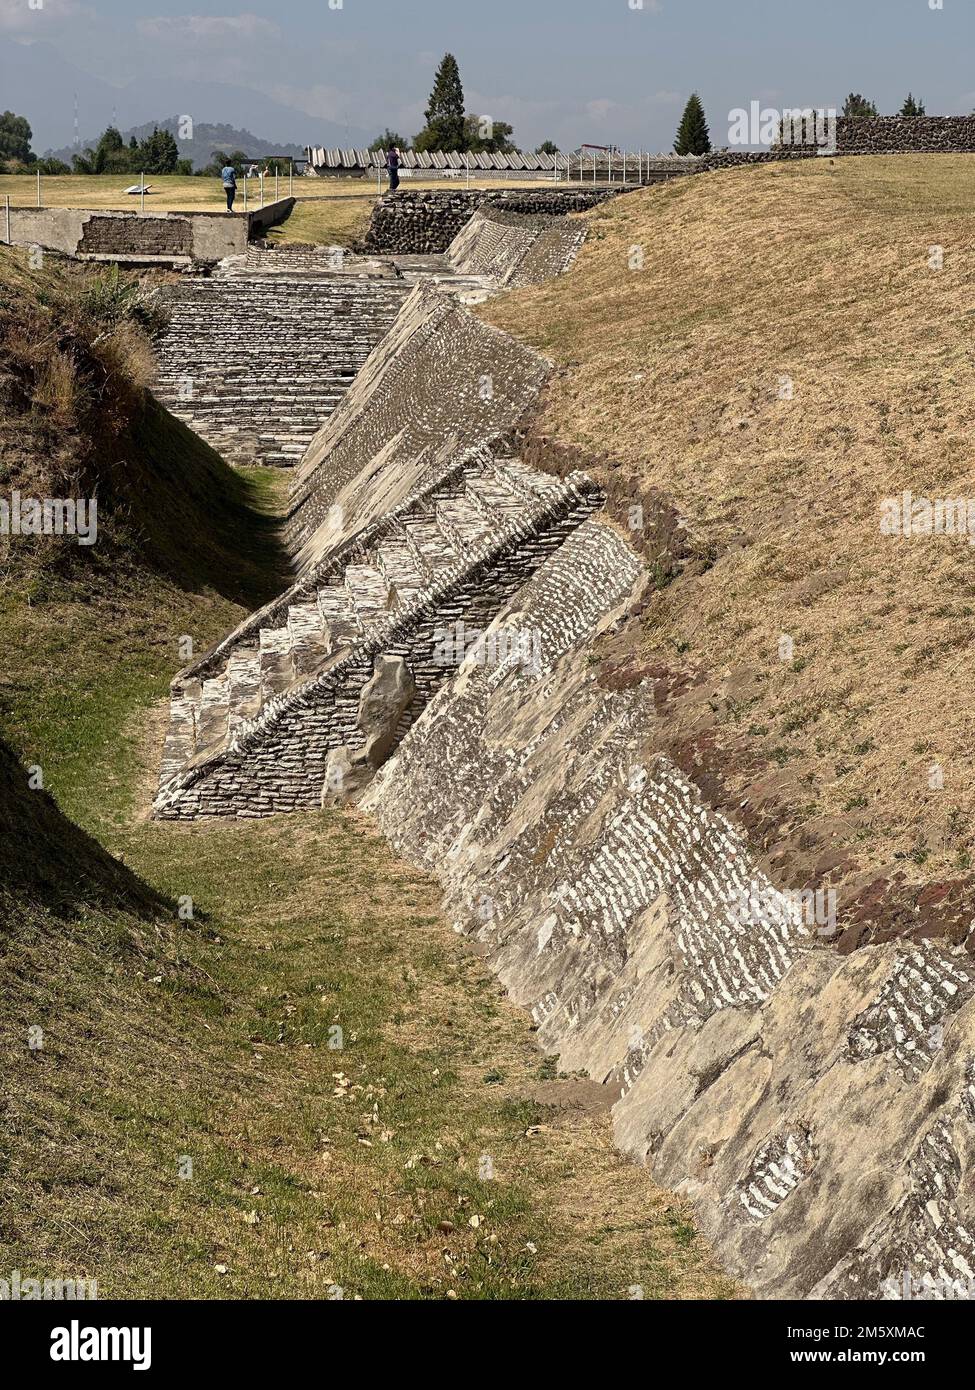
426, 222
137, 236
817, 1109
279, 762
864, 135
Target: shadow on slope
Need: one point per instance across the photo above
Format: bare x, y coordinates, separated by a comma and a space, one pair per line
48, 861
184, 545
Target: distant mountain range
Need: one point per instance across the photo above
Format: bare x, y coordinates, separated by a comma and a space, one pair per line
207, 137
41, 85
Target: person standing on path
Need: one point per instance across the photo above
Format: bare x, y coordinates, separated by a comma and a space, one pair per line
229, 180
392, 164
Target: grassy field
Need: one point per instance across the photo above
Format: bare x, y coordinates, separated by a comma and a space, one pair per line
329, 212
285, 1076
177, 193
779, 349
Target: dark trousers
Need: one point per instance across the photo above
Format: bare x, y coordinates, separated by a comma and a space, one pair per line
393, 180
231, 192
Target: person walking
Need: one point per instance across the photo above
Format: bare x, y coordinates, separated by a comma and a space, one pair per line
392, 164
228, 178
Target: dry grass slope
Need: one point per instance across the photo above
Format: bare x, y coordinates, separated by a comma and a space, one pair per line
210, 1037
787, 357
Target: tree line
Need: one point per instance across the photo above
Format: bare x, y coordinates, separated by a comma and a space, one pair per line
693, 136
449, 126
158, 153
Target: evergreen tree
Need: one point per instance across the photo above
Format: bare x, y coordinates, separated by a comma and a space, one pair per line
912, 108
444, 129
857, 105
159, 154
693, 136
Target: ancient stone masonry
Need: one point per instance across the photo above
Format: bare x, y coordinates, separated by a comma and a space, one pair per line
865, 135
255, 736
515, 250
125, 236
817, 1109
408, 518
424, 222
440, 379
256, 361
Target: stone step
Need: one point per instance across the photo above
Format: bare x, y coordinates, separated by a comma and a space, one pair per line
214, 708
462, 522
527, 480
277, 665
432, 550
181, 739
243, 686
309, 636
369, 591
400, 570
337, 607
494, 494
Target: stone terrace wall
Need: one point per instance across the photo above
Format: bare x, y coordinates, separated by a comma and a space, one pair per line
866, 135
515, 249
817, 1109
440, 379
420, 223
279, 762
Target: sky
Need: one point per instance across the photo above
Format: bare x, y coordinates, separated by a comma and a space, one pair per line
573, 71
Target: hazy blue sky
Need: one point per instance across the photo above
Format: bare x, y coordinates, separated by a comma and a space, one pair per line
568, 70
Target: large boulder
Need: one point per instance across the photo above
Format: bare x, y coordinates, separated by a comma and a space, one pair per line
347, 774
384, 699
382, 703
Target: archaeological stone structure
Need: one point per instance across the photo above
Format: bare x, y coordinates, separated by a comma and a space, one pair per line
178, 239
254, 391
515, 250
434, 659
425, 222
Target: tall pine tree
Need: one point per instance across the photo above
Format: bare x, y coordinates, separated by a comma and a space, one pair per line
444, 129
693, 136
911, 107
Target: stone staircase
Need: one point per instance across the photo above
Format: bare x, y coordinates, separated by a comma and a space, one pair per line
509, 249
256, 362
253, 721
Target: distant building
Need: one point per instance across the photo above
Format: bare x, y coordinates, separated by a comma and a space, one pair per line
358, 163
